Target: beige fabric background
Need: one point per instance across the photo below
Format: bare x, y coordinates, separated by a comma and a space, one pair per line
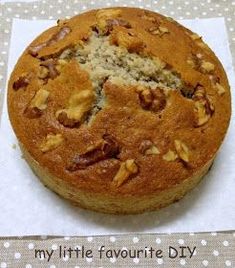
212, 249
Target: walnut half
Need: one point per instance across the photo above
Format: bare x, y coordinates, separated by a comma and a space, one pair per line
126, 169
79, 105
106, 148
152, 99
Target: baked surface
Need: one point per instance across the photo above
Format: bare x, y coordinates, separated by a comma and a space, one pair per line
120, 110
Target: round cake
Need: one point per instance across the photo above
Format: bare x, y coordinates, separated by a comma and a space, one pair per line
119, 110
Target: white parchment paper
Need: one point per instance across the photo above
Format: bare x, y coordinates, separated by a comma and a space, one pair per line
28, 208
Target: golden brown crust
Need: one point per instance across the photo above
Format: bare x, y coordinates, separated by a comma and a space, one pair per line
123, 116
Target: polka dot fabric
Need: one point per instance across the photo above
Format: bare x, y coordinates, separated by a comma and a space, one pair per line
194, 250
212, 249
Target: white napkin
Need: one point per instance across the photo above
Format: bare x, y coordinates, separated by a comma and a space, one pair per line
28, 208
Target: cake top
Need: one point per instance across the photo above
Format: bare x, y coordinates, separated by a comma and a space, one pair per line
123, 100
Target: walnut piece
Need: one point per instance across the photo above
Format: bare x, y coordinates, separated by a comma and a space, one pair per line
124, 38
220, 89
79, 105
152, 99
203, 107
51, 142
52, 71
153, 150
207, 67
158, 30
34, 50
182, 150
40, 99
107, 148
170, 156
147, 147
201, 65
126, 169
106, 19
37, 104
22, 82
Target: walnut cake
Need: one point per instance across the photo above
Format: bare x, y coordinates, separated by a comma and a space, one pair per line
119, 110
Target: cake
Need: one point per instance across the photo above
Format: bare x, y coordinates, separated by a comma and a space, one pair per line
119, 110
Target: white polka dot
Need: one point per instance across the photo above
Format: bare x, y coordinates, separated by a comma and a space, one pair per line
112, 260
90, 239
3, 265
160, 261
30, 246
228, 263
216, 253
191, 234
214, 234
17, 255
135, 239
204, 242
186, 2
112, 239
205, 263
204, 13
67, 7
163, 7
54, 247
26, 11
172, 12
231, 29
19, 4
59, 11
35, 6
158, 241
6, 31
229, 19
50, 6
89, 260
66, 238
188, 13
42, 12
136, 260
92, 3
9, 9
50, 17
182, 262
8, 19
226, 9
181, 241
28, 266
225, 243
52, 266
66, 258
6, 244
1, 77
195, 8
